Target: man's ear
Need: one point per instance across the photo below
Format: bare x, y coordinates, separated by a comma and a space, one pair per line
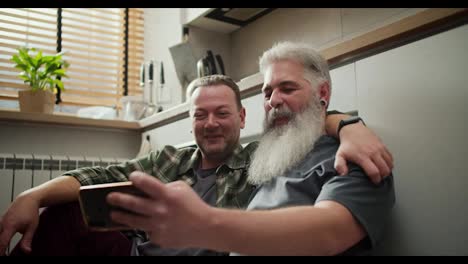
242, 117
324, 92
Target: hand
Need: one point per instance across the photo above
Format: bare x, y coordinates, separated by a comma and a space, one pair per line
173, 215
362, 146
23, 217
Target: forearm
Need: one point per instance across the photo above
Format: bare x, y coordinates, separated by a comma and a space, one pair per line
59, 190
332, 122
314, 231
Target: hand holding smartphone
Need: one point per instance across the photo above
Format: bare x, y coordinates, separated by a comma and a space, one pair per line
95, 209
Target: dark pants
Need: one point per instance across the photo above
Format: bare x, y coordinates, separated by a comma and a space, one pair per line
62, 232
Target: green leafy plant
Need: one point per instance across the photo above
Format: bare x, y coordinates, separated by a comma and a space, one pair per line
41, 72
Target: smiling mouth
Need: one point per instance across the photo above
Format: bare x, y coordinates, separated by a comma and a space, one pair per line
213, 136
280, 121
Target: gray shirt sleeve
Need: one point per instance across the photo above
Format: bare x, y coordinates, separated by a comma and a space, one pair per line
370, 204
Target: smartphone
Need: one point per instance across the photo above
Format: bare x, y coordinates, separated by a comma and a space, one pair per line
95, 209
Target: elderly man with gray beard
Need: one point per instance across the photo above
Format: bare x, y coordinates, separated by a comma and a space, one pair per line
301, 205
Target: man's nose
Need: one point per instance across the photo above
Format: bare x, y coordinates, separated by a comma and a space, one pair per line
211, 122
275, 99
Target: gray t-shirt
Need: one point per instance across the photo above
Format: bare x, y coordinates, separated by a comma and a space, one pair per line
205, 187
314, 179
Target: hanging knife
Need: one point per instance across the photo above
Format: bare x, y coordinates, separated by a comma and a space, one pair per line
150, 72
161, 80
142, 75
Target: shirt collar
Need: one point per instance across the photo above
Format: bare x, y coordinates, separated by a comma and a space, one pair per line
237, 160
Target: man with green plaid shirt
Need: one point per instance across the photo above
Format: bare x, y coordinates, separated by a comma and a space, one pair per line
216, 170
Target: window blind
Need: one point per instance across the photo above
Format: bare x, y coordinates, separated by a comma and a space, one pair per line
135, 49
94, 42
31, 27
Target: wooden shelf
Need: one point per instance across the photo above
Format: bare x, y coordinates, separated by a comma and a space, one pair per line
65, 119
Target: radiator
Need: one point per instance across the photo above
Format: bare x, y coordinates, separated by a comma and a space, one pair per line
20, 172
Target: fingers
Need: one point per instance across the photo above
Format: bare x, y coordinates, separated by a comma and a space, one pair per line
148, 184
2, 251
5, 237
132, 203
134, 221
387, 156
381, 164
27, 240
340, 165
371, 170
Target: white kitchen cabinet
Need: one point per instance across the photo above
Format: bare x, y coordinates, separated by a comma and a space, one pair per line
196, 17
190, 14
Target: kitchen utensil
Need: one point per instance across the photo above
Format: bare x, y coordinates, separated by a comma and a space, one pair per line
203, 68
164, 94
221, 64
142, 76
185, 63
150, 108
211, 62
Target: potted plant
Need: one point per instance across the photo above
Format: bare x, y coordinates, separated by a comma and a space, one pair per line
42, 73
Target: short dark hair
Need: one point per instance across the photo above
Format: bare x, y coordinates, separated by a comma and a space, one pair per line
216, 79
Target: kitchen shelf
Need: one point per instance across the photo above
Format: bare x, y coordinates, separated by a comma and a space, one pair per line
65, 119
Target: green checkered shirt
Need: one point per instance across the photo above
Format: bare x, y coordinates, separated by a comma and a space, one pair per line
171, 164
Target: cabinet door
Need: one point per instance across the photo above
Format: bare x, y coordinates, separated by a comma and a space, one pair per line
415, 98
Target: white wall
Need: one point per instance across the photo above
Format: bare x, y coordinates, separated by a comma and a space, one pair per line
343, 95
415, 97
174, 134
67, 140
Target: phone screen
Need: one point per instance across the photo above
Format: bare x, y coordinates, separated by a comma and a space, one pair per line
95, 209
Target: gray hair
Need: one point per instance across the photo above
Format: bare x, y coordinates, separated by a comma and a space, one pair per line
212, 80
316, 69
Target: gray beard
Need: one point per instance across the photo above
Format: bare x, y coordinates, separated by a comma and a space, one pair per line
281, 148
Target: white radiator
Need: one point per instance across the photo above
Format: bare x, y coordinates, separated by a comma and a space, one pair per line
20, 172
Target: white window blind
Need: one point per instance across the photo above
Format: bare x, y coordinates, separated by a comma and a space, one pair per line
103, 57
